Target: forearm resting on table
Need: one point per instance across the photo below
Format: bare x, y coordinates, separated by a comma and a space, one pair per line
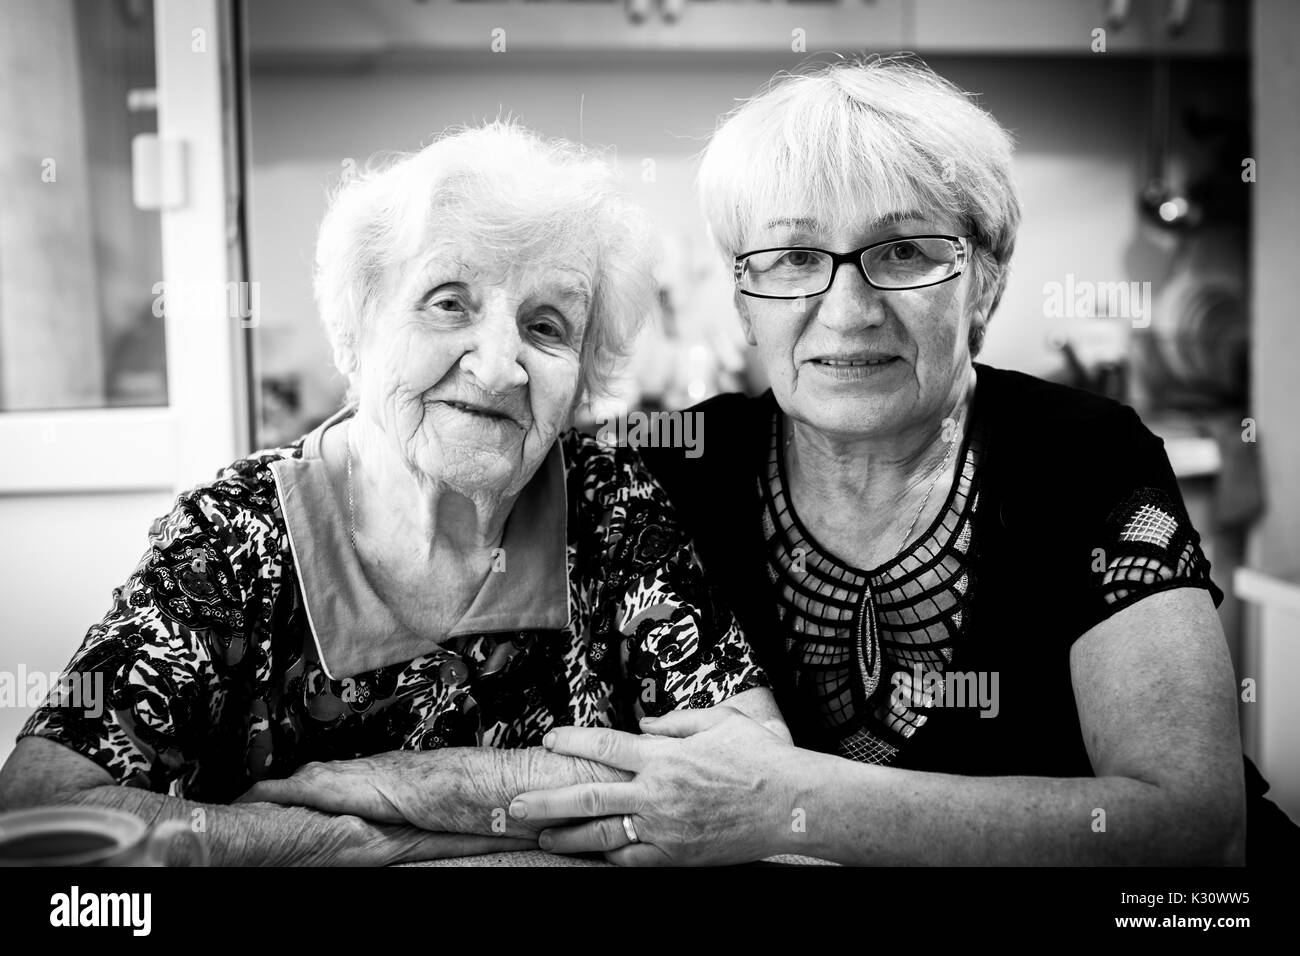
252, 834
43, 773
861, 814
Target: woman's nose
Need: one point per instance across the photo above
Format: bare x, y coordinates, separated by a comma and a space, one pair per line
493, 358
850, 303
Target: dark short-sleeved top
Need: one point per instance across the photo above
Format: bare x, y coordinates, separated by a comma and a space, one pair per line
215, 677
1065, 510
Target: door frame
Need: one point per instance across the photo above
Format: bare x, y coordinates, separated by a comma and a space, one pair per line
207, 420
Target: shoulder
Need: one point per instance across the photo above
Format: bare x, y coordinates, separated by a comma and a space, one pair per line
1036, 425
730, 435
1084, 459
735, 412
220, 535
242, 493
603, 473
1026, 398
620, 518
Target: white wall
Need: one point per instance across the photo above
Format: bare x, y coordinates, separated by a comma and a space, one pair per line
1080, 124
62, 555
1275, 401
1275, 358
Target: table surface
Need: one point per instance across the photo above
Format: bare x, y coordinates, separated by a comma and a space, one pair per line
542, 858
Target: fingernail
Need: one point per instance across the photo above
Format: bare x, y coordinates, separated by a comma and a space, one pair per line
546, 841
518, 810
549, 741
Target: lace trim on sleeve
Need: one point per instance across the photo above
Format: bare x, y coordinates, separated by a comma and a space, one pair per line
1150, 546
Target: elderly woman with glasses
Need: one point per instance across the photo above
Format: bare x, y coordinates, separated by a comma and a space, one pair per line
348, 649
988, 620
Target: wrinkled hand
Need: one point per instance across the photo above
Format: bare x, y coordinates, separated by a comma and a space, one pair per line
363, 843
401, 787
457, 790
709, 788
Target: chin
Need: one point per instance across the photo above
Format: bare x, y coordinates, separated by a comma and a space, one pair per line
471, 468
472, 479
841, 415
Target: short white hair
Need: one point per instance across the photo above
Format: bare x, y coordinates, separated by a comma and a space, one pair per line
511, 193
880, 134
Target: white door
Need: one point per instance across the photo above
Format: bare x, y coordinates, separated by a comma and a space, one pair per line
123, 317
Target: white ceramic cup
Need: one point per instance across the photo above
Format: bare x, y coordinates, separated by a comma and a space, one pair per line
90, 836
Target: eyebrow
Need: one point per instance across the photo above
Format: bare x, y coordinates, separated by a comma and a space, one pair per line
799, 223
435, 268
461, 271
888, 219
575, 291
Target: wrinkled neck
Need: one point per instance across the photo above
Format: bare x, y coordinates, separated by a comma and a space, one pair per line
395, 503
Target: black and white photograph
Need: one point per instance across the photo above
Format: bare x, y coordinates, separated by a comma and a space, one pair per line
810, 438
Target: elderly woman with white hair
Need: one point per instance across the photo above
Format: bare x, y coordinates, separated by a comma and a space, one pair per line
348, 649
988, 620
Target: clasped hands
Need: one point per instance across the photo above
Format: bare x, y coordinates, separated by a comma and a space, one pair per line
705, 788
700, 786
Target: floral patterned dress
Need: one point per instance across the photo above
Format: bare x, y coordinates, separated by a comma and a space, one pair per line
213, 680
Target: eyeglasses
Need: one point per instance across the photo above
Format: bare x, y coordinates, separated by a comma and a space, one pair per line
794, 272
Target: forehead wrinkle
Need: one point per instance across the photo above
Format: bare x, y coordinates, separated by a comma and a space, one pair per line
556, 269
440, 256
879, 222
847, 188
808, 225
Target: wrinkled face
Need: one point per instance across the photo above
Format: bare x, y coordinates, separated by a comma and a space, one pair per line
472, 367
858, 362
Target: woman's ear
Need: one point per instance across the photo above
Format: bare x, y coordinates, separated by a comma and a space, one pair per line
345, 360
979, 312
982, 309
746, 323
582, 401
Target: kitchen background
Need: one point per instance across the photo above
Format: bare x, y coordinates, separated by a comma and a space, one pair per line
1161, 150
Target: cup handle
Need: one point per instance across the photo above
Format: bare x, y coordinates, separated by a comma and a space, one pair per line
163, 834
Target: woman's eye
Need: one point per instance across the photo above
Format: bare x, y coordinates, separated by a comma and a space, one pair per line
796, 258
548, 329
903, 251
446, 303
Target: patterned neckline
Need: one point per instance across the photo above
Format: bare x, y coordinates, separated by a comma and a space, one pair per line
848, 631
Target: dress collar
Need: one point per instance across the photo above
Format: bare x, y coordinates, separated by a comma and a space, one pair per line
354, 630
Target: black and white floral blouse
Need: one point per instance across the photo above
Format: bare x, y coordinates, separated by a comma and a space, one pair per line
221, 669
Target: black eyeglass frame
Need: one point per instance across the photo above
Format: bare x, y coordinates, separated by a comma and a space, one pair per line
840, 258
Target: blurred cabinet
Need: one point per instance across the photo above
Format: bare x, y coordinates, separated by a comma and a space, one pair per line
304, 30
296, 29
1065, 27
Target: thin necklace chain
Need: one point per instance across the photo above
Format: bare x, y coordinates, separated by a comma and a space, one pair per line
943, 468
352, 510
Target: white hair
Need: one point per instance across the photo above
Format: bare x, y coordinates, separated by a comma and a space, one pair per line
874, 135
520, 198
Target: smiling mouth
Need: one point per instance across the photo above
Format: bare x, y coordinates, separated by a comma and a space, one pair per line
854, 362
480, 411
